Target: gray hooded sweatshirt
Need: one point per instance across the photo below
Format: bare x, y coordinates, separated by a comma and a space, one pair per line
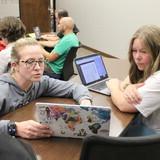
13, 97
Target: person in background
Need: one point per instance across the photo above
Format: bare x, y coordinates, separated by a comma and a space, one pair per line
60, 14
11, 29
26, 83
140, 91
58, 55
52, 39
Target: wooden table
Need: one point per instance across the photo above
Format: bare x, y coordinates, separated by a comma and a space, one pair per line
66, 148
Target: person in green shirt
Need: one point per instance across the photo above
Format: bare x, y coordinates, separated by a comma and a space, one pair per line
55, 59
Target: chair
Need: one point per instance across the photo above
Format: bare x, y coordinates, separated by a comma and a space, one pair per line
68, 69
121, 148
12, 148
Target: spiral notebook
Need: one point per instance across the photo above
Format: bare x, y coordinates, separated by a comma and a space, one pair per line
76, 121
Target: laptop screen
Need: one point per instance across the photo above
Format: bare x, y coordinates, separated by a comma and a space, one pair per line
91, 69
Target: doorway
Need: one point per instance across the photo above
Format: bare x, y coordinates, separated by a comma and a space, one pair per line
35, 13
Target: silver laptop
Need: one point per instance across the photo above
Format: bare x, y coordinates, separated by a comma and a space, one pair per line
93, 73
76, 121
37, 32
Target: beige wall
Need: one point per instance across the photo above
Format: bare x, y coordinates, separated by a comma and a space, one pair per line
9, 8
107, 25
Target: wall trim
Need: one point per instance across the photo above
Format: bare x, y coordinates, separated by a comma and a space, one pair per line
97, 51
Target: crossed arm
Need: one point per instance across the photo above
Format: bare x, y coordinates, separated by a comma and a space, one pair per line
124, 94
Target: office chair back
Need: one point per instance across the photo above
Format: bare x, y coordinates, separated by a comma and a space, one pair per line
121, 148
68, 69
14, 149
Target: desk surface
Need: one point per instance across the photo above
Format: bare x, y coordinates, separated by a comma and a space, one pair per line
117, 68
66, 148
48, 148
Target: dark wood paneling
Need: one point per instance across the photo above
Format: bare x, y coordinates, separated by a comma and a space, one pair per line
35, 13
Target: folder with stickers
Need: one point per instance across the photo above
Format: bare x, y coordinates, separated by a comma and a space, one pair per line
76, 121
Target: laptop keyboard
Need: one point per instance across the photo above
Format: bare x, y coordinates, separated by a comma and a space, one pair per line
99, 86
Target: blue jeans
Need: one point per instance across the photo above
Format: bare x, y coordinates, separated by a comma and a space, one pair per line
137, 128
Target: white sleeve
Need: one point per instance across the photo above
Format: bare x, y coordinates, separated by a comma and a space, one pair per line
150, 94
5, 58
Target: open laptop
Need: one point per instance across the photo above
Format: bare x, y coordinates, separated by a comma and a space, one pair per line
37, 32
76, 121
93, 73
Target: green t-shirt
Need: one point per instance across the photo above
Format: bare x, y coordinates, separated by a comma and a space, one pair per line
62, 48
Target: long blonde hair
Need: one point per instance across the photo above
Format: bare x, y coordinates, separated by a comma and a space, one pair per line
150, 36
22, 42
18, 45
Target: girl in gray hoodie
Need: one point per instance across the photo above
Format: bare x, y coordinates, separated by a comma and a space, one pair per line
26, 83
